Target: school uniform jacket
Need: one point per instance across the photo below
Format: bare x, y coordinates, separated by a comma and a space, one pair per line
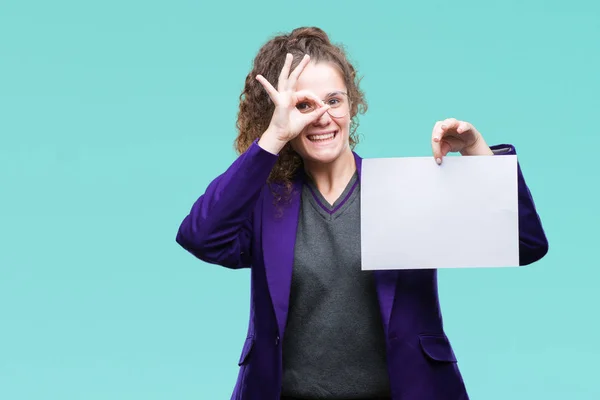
236, 224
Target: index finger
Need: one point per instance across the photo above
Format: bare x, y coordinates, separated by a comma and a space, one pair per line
306, 95
285, 72
436, 146
439, 146
268, 87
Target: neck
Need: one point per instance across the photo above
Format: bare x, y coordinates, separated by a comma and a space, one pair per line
331, 179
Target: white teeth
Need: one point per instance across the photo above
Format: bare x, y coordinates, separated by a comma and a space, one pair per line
326, 136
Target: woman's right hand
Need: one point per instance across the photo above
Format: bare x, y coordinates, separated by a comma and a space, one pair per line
287, 121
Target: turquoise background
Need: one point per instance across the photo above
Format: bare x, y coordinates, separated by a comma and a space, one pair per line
115, 115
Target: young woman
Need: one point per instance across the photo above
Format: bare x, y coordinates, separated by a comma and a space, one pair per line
288, 208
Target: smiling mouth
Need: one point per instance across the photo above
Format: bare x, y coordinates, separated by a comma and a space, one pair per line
322, 138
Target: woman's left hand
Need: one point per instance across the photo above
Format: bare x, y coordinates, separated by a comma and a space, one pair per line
451, 135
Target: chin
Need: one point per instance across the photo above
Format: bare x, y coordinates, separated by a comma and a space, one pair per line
323, 157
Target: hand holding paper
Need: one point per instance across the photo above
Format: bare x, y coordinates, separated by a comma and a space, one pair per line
452, 135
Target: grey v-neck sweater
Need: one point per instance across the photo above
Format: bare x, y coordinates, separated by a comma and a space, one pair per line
334, 345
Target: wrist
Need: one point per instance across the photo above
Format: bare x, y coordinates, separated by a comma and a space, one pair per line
479, 148
271, 141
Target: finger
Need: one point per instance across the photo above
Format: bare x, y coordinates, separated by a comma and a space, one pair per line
463, 127
449, 124
437, 133
303, 95
445, 148
440, 149
315, 115
436, 147
291, 83
268, 87
439, 146
285, 72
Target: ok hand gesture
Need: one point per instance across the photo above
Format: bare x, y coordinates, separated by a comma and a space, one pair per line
287, 121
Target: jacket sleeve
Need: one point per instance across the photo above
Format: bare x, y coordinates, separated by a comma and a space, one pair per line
218, 228
533, 244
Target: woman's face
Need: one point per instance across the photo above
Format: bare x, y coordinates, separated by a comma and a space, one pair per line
326, 139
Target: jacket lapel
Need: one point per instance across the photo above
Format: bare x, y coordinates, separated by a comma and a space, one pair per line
279, 238
385, 281
280, 223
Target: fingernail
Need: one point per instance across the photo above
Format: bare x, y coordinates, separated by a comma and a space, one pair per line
438, 160
444, 126
436, 139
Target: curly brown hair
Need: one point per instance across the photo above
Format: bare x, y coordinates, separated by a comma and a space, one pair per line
256, 107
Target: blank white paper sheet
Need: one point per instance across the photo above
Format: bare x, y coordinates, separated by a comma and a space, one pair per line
416, 214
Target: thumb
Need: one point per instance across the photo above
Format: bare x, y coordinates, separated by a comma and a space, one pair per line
445, 148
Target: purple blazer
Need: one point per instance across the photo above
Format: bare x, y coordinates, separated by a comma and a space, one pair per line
235, 224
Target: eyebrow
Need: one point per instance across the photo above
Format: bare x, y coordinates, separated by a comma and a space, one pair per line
334, 93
